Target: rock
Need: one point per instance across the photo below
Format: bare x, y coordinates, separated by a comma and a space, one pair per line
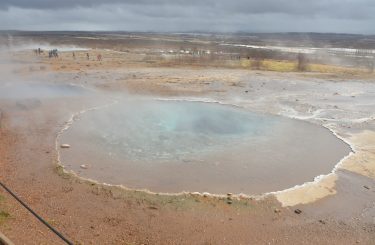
277, 211
322, 222
65, 146
242, 196
366, 187
84, 166
229, 201
206, 194
229, 194
298, 211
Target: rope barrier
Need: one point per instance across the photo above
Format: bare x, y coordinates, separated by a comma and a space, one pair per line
36, 215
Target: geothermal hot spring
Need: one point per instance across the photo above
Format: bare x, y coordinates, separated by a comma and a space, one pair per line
175, 146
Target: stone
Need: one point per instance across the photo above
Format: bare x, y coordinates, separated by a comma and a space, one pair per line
84, 166
206, 194
65, 146
366, 187
322, 222
229, 201
298, 211
277, 211
242, 196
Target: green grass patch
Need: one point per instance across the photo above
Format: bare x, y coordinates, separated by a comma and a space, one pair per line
3, 216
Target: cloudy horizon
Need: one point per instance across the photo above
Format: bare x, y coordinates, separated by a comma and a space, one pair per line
334, 16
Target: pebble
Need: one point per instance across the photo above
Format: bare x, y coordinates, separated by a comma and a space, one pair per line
206, 194
229, 201
242, 196
277, 211
366, 187
65, 146
322, 221
298, 211
84, 166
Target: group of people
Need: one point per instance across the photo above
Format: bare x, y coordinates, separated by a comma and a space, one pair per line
38, 51
98, 57
53, 53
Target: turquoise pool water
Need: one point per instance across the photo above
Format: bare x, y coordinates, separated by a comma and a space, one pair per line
173, 146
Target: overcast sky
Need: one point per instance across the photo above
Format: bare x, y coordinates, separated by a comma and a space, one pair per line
339, 16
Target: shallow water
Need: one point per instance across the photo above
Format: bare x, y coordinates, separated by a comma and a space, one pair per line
174, 146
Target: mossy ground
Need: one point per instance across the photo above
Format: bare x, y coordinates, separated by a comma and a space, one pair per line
3, 214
